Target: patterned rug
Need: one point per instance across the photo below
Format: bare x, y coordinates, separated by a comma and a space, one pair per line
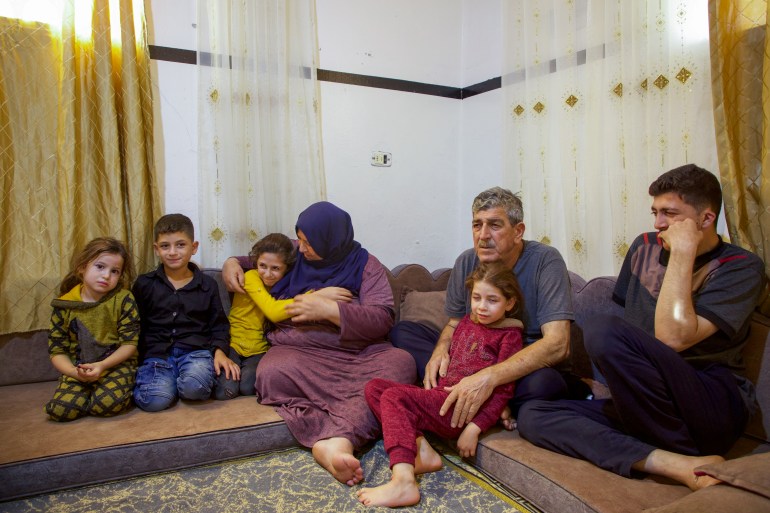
285, 481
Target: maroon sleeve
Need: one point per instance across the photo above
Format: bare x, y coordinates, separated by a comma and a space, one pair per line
370, 318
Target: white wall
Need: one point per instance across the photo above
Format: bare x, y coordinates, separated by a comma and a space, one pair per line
172, 23
482, 115
403, 213
444, 150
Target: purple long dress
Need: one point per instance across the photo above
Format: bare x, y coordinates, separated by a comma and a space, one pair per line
314, 373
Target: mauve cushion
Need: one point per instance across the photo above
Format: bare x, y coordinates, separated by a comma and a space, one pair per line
721, 498
751, 473
424, 307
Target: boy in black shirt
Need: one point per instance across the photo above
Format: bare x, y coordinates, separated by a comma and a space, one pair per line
184, 338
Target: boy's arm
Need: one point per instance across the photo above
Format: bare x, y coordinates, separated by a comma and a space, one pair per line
219, 326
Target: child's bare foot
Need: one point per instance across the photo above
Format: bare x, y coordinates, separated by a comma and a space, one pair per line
427, 460
336, 456
402, 490
507, 420
680, 467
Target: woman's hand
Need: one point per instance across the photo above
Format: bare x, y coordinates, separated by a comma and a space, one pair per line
232, 275
335, 294
314, 307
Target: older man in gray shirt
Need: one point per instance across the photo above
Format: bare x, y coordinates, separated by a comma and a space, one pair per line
498, 232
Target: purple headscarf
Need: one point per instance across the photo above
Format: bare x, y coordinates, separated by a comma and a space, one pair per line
329, 231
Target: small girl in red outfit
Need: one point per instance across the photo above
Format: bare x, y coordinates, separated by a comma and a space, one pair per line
487, 336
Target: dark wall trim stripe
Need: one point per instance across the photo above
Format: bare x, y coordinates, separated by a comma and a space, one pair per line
482, 87
389, 83
163, 53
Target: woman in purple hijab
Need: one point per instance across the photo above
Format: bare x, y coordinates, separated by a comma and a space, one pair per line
314, 373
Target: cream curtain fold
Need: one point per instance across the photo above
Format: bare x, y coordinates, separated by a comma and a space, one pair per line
75, 147
260, 150
740, 63
601, 97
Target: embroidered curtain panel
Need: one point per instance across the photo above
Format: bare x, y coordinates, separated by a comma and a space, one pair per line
260, 150
601, 97
741, 86
75, 145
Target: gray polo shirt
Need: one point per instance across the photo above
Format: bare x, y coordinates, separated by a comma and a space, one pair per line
544, 282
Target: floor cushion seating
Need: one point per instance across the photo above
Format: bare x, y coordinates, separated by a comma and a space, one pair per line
37, 455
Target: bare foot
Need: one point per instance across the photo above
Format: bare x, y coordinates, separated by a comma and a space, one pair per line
336, 456
507, 420
427, 460
402, 490
680, 467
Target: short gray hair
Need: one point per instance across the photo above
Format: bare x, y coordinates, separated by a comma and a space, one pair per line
497, 197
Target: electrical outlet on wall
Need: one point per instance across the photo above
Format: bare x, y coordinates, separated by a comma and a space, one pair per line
381, 159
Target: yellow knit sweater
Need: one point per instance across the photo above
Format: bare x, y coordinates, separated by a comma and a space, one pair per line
247, 316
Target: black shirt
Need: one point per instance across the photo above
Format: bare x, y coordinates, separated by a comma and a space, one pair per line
189, 318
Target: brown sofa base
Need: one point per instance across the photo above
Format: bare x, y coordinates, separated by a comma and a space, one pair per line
97, 466
38, 455
558, 483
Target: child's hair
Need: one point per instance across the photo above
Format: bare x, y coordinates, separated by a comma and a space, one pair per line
277, 243
92, 250
501, 277
173, 223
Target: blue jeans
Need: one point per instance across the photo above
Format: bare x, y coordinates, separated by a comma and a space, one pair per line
187, 375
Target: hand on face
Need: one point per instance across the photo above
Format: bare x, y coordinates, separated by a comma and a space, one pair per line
680, 225
683, 235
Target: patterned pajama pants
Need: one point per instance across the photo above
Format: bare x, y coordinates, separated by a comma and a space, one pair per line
405, 411
108, 396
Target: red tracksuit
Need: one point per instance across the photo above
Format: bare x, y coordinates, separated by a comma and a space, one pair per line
405, 411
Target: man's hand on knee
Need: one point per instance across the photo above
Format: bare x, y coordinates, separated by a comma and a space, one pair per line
469, 394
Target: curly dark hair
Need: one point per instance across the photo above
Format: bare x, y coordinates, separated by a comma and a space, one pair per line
277, 243
696, 186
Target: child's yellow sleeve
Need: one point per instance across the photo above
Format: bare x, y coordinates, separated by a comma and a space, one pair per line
274, 309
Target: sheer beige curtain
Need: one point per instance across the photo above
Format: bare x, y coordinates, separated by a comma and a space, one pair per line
741, 86
260, 151
601, 97
75, 144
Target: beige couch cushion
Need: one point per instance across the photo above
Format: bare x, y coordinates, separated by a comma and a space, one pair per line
424, 307
746, 487
716, 499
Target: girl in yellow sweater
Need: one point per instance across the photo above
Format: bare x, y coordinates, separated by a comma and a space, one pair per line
271, 257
